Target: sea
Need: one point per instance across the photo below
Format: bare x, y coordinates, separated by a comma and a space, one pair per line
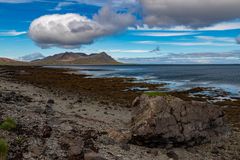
175, 77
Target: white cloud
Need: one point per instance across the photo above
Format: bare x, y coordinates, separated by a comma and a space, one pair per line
12, 33
22, 1
145, 27
116, 3
188, 58
199, 44
192, 13
62, 4
73, 30
146, 42
219, 44
219, 39
166, 34
128, 51
232, 25
15, 1
222, 26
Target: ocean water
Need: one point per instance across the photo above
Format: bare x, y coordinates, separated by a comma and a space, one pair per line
176, 77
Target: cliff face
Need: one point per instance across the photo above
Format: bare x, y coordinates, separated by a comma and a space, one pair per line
77, 58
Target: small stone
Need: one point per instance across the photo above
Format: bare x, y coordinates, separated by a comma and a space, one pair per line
106, 140
125, 147
214, 150
173, 155
153, 152
76, 148
93, 156
50, 101
48, 110
47, 131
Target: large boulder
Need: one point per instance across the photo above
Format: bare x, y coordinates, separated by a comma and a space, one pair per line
167, 120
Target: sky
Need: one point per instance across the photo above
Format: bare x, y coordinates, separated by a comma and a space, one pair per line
135, 31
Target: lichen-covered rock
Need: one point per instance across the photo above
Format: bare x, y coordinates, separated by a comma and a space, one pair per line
164, 120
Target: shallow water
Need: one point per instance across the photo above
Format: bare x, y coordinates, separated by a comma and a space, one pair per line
177, 77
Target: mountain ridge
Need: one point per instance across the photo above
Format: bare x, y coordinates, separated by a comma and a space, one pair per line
9, 61
66, 58
77, 58
31, 57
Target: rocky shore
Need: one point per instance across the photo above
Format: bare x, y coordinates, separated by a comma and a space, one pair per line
64, 116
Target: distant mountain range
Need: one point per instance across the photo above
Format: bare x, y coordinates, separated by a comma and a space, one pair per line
31, 57
64, 59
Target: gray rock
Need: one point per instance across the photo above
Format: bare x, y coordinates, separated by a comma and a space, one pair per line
164, 120
47, 131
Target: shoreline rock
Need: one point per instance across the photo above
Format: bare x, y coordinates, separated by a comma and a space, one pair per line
167, 120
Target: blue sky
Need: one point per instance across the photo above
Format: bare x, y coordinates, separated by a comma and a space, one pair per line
148, 38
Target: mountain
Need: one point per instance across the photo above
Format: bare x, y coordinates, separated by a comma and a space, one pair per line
77, 58
8, 61
31, 57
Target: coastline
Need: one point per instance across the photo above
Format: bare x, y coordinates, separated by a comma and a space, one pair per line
84, 104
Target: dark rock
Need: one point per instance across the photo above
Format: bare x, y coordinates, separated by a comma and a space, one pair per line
79, 101
14, 98
47, 131
48, 110
125, 147
50, 101
173, 155
164, 120
89, 137
215, 150
153, 152
106, 113
106, 140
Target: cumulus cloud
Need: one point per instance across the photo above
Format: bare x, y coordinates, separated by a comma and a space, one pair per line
193, 14
73, 30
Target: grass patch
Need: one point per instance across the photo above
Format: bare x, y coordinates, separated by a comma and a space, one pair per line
8, 124
155, 94
3, 149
